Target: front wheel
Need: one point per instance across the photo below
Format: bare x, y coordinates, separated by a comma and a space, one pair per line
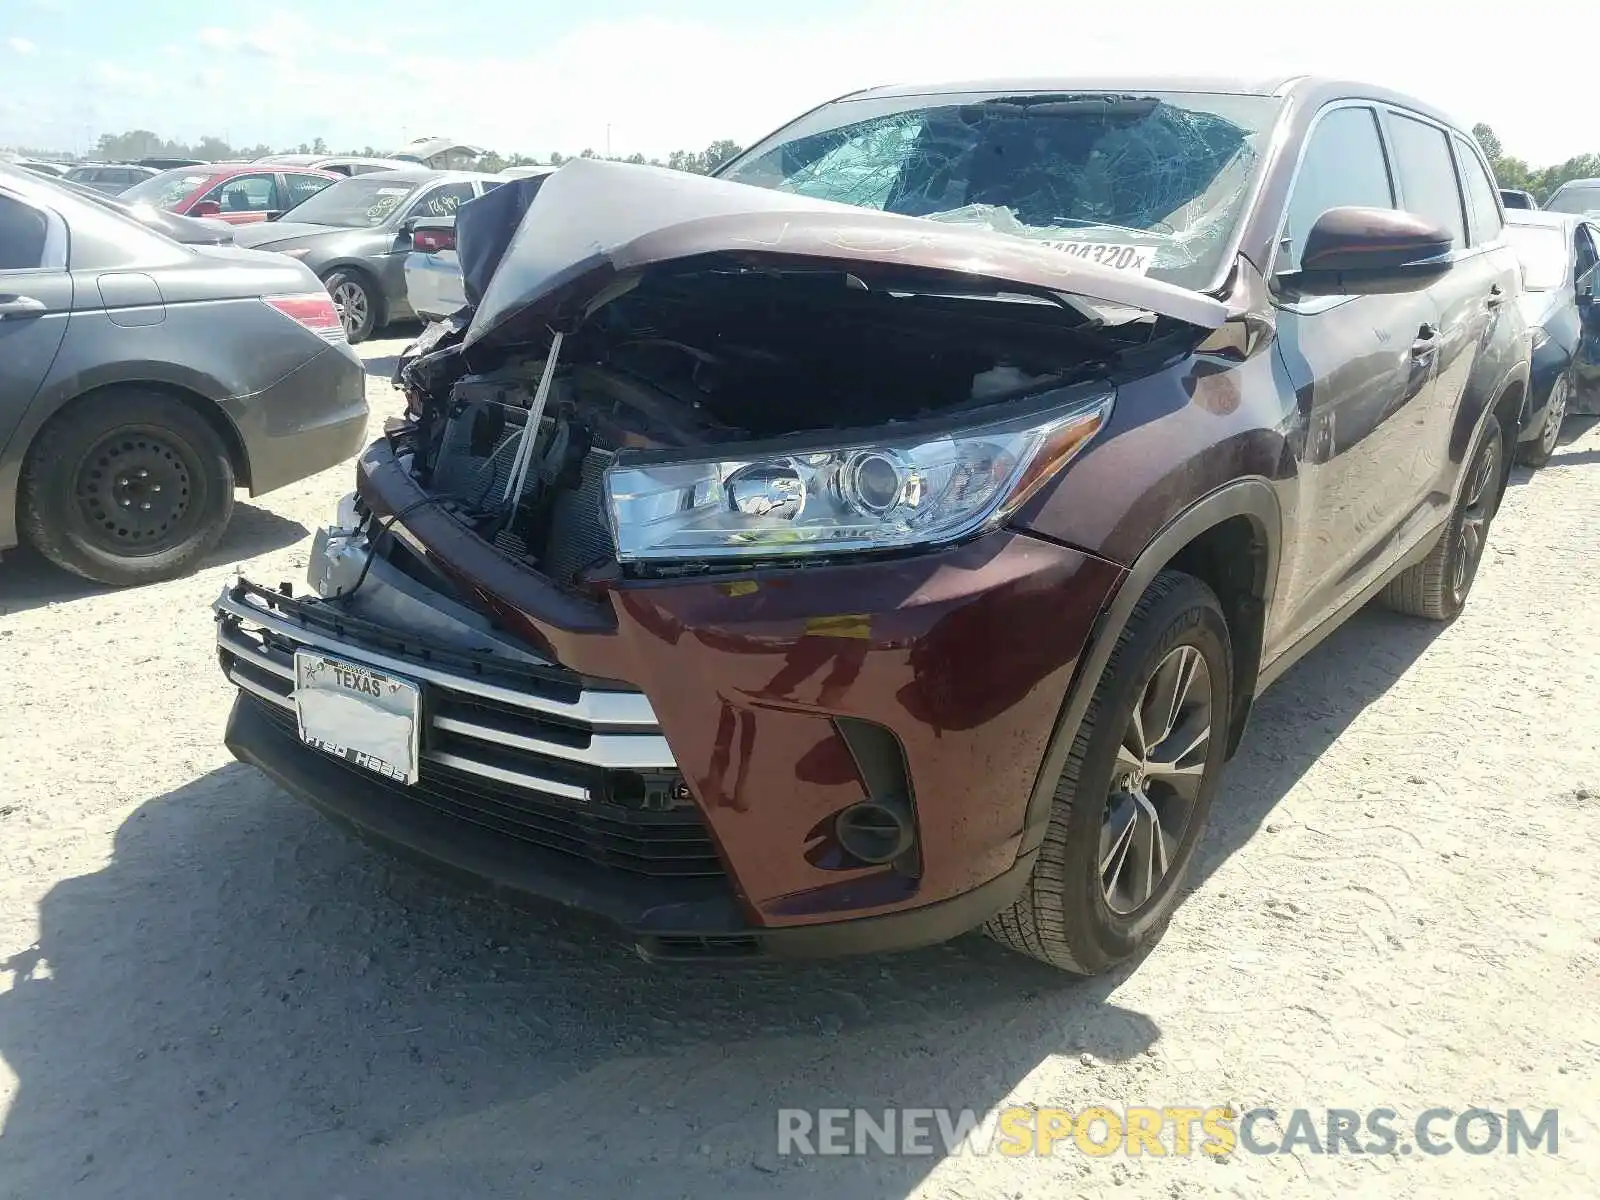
1537, 452
356, 303
1132, 801
128, 487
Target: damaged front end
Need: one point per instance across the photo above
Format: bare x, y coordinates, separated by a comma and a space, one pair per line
670, 375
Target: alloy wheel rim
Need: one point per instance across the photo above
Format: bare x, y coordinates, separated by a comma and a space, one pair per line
350, 299
1555, 413
1155, 784
134, 489
1474, 520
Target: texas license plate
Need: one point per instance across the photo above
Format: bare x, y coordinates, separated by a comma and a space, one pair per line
363, 716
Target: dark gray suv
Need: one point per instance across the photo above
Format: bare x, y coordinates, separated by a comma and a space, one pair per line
142, 380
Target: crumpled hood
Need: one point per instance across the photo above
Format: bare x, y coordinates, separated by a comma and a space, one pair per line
595, 227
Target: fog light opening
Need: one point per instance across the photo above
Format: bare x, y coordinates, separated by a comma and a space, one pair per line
875, 831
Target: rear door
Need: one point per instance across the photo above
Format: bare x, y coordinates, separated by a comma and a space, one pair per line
1361, 369
246, 199
35, 303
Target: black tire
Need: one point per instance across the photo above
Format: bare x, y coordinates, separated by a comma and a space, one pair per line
358, 302
1537, 452
1065, 916
1438, 586
86, 507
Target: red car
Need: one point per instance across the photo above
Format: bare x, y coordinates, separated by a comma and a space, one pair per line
239, 193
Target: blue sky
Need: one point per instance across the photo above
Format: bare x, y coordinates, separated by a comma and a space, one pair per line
539, 76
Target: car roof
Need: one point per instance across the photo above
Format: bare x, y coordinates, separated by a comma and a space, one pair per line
1310, 89
1541, 217
1584, 183
413, 173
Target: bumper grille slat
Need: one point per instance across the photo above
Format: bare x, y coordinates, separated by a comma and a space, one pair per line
513, 769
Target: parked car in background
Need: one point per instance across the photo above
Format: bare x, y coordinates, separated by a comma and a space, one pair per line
1517, 198
339, 164
889, 536
165, 164
52, 170
1580, 197
434, 285
142, 380
1559, 254
191, 231
238, 193
110, 178
357, 233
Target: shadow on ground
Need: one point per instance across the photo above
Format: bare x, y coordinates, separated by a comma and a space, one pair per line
246, 1002
28, 581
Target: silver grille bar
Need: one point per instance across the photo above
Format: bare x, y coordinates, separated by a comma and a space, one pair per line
534, 783
591, 708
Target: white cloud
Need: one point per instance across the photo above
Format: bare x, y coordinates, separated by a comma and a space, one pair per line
21, 45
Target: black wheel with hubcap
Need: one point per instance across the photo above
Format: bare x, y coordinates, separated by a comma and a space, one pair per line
126, 487
1438, 586
1133, 798
356, 302
1537, 452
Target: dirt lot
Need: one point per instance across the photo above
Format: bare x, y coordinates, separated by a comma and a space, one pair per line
208, 991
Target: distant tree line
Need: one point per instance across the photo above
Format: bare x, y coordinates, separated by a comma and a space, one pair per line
1540, 182
142, 143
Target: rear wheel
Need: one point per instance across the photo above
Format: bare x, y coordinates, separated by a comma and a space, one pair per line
1537, 452
1132, 801
1437, 587
129, 487
356, 301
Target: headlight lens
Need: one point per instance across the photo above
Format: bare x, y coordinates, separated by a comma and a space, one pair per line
894, 493
296, 251
1538, 337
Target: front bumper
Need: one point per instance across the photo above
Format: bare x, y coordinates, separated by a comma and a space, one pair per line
312, 419
742, 699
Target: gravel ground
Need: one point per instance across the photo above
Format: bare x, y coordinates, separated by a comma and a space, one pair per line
208, 991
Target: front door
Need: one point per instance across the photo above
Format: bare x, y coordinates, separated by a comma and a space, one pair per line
1362, 369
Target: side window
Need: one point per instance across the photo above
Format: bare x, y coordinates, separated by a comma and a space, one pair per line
1483, 213
303, 187
1343, 165
22, 236
443, 200
247, 193
1584, 274
1427, 175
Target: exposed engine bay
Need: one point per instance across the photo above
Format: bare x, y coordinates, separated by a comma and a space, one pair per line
718, 357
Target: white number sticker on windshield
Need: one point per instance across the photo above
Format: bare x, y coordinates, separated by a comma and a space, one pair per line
1119, 256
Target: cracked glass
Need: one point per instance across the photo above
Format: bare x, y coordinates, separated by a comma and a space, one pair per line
1167, 175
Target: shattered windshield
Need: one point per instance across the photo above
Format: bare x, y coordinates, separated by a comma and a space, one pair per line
1149, 183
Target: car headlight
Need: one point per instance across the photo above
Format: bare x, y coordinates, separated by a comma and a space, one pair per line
1537, 337
884, 494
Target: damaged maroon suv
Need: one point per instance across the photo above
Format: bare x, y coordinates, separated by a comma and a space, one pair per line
887, 537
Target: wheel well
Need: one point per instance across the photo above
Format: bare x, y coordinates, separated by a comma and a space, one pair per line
1508, 411
207, 410
1231, 558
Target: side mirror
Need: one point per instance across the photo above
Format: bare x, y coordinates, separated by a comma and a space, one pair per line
206, 208
1370, 251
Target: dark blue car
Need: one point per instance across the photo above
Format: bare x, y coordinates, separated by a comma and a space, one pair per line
1559, 254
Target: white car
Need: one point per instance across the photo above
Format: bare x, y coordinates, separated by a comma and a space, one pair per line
433, 272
